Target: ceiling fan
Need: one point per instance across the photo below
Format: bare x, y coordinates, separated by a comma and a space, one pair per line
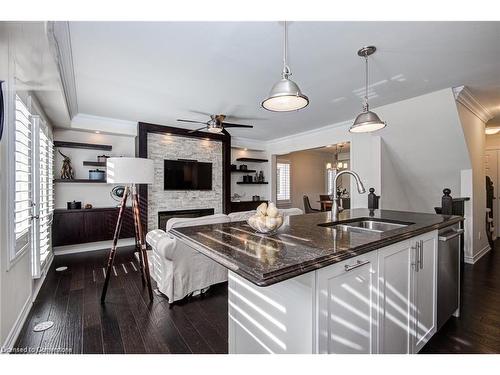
216, 124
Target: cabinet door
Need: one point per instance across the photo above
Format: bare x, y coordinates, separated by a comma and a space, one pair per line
425, 290
395, 298
347, 306
68, 228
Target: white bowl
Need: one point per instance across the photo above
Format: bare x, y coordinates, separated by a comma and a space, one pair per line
265, 224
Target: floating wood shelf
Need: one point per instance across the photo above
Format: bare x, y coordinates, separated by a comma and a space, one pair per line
79, 180
252, 160
88, 146
252, 183
94, 163
242, 171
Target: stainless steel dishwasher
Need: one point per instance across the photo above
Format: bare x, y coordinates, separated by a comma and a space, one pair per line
448, 293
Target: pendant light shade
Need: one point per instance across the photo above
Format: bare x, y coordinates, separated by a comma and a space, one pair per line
285, 95
367, 121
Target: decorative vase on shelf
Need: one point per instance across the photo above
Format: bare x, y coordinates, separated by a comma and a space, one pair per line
261, 176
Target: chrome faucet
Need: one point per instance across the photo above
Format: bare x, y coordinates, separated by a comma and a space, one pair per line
336, 207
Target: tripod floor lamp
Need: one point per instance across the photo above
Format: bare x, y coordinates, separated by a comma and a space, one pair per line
130, 172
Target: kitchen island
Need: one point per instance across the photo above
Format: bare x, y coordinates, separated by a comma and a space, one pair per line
363, 284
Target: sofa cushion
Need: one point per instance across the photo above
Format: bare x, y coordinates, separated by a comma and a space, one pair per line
178, 222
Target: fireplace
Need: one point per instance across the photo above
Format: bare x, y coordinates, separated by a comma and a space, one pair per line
163, 216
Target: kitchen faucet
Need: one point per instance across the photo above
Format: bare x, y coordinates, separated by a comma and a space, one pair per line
336, 208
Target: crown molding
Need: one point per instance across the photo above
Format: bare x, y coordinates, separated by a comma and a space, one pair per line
59, 37
465, 97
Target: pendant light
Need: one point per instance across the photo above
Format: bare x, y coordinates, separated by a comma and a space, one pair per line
367, 121
285, 95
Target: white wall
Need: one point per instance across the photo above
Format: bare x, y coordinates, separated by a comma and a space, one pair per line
96, 194
473, 129
18, 59
493, 141
423, 152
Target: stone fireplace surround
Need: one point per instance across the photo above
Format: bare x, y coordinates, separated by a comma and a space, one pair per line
158, 143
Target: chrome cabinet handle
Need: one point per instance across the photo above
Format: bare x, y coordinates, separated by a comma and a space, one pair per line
417, 255
359, 263
414, 262
421, 254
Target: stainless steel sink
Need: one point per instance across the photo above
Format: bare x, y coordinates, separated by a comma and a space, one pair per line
369, 225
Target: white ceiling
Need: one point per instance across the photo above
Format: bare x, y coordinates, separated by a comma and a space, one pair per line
158, 72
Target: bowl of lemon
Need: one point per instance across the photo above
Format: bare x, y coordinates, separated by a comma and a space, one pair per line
267, 219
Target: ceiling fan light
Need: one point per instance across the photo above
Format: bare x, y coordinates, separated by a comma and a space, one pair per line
285, 96
367, 122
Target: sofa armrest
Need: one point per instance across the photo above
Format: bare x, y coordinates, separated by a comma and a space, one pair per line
161, 243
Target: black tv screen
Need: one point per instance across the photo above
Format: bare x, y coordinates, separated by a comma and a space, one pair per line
187, 175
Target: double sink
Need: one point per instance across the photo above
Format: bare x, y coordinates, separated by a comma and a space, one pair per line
367, 225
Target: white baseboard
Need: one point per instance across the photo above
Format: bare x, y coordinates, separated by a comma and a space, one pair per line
91, 246
13, 335
473, 259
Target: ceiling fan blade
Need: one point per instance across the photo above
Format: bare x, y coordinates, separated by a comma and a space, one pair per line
201, 113
196, 122
230, 125
195, 130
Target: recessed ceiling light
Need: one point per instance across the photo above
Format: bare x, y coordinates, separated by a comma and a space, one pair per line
97, 132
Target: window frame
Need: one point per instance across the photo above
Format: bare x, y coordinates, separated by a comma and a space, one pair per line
13, 255
289, 163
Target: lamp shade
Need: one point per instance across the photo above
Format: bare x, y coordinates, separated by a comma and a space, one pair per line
285, 96
130, 171
366, 122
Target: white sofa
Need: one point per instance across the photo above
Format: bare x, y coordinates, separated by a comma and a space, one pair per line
178, 269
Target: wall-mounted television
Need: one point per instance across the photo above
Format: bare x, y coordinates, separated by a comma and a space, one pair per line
187, 175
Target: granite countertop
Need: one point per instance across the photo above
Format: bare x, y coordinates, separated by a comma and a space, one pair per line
302, 244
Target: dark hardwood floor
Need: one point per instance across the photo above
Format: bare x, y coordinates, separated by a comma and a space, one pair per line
478, 328
128, 323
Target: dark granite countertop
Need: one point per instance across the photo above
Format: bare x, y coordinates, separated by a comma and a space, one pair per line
302, 244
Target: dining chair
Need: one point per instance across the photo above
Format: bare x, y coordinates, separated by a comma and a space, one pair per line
307, 206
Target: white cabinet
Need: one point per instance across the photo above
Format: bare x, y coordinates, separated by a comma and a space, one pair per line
346, 306
383, 301
407, 274
395, 298
425, 289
